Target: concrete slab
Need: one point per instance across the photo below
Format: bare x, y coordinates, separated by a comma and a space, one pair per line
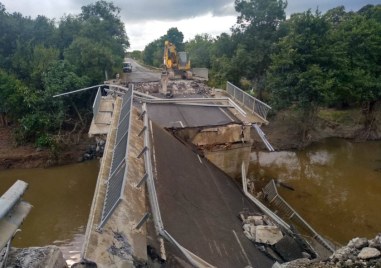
106, 104
180, 116
200, 205
100, 124
288, 249
267, 234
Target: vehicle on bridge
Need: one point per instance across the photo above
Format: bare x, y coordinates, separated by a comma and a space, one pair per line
176, 63
127, 67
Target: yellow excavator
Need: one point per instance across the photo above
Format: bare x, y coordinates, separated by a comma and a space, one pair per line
176, 63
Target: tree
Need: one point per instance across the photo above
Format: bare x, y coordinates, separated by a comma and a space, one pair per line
198, 49
40, 58
153, 52
102, 20
356, 71
101, 42
298, 74
136, 54
257, 31
175, 37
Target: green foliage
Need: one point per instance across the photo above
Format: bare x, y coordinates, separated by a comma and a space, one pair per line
297, 74
41, 57
332, 60
175, 37
48, 141
198, 49
11, 95
257, 31
136, 54
356, 53
153, 52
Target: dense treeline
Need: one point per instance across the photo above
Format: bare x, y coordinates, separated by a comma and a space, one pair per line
305, 62
42, 57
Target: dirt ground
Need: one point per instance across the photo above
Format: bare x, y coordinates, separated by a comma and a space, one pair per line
28, 156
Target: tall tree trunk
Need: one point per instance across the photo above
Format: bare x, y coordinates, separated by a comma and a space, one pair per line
369, 112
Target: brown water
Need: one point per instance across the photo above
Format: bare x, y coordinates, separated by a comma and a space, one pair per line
61, 199
337, 185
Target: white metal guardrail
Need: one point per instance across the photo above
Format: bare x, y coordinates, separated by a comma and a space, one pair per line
271, 194
150, 181
254, 105
262, 135
13, 211
118, 170
97, 102
258, 203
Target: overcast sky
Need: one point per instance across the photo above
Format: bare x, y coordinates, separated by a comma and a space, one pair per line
147, 20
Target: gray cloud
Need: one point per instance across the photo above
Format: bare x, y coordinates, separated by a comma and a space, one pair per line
131, 10
295, 6
166, 10
171, 10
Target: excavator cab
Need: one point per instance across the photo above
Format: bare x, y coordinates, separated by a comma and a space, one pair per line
184, 61
176, 62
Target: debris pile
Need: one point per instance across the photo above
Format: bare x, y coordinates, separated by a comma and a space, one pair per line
36, 257
176, 87
360, 252
260, 229
147, 87
270, 239
94, 151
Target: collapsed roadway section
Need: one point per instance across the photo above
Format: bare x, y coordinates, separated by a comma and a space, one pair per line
176, 200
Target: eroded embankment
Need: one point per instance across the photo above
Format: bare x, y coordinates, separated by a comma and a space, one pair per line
284, 130
28, 156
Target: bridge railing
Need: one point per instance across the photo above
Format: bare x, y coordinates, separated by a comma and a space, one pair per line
117, 176
97, 102
153, 199
254, 105
273, 197
12, 213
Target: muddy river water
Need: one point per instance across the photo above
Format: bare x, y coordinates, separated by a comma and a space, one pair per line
337, 189
337, 185
61, 199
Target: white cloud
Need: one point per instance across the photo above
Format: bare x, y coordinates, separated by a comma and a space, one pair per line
147, 20
140, 34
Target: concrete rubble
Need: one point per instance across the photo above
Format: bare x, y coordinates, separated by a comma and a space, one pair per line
260, 229
268, 234
359, 252
176, 87
36, 257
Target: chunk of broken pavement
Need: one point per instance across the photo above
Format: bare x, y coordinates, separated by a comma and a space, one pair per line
369, 253
268, 234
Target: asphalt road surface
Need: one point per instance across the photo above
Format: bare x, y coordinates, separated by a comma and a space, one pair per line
200, 204
140, 73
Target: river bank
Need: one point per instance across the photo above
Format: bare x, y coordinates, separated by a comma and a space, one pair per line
283, 132
284, 129
28, 156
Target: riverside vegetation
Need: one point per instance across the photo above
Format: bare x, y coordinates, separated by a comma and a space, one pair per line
308, 66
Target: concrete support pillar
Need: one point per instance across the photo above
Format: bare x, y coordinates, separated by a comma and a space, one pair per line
164, 83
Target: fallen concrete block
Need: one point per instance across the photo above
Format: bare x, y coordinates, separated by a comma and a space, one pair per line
268, 234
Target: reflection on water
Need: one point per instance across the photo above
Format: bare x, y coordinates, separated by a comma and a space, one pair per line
337, 185
61, 199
